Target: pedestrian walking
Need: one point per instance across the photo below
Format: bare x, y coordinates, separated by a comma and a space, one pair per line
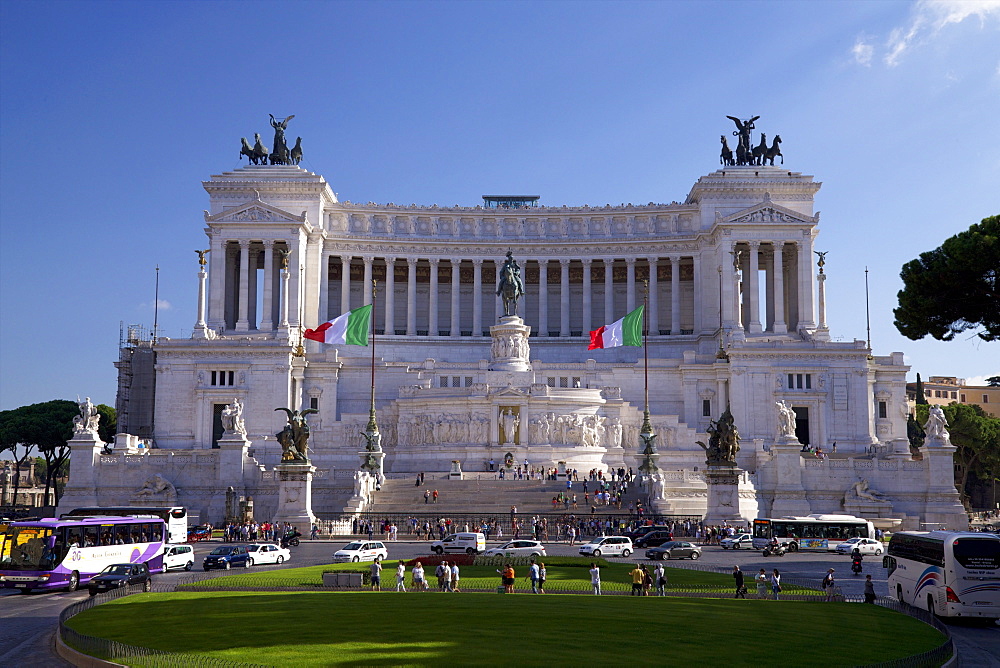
427, 495
741, 590
869, 590
435, 495
454, 577
533, 576
828, 585
762, 584
661, 579
775, 583
419, 583
595, 578
376, 570
637, 577
541, 578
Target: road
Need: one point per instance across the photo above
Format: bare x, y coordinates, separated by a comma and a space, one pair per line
27, 622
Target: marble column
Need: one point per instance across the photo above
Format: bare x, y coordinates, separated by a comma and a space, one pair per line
588, 307
477, 297
345, 284
780, 327
283, 324
253, 318
805, 275
266, 321
200, 330
543, 297
629, 284
411, 296
609, 291
217, 284
242, 322
754, 295
432, 299
698, 301
675, 295
390, 295
735, 279
564, 297
653, 317
367, 289
456, 319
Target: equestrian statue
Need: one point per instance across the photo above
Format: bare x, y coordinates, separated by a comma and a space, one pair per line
511, 287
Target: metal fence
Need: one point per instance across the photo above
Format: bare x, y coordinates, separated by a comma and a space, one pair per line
132, 655
929, 659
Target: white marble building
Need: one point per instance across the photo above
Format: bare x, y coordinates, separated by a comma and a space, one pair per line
731, 266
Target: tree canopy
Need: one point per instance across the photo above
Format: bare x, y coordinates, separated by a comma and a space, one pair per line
976, 435
954, 287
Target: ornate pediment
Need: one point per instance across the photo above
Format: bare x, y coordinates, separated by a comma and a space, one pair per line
254, 211
768, 212
513, 392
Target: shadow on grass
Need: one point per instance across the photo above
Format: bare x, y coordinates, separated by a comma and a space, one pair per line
321, 629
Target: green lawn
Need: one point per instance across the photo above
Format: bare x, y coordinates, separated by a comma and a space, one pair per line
389, 629
563, 574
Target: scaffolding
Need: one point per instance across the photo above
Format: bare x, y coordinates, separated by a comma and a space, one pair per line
136, 381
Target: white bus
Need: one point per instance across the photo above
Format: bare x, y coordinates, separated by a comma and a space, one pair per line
813, 532
948, 573
174, 516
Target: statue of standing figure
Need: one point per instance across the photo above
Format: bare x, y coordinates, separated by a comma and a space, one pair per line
280, 155
786, 420
936, 425
510, 425
744, 151
88, 419
232, 418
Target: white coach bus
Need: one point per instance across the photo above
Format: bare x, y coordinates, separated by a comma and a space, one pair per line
948, 573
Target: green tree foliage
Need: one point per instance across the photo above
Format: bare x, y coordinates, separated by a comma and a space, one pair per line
977, 436
921, 396
993, 381
47, 426
954, 287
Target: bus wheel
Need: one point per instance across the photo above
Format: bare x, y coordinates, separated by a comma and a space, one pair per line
74, 581
930, 605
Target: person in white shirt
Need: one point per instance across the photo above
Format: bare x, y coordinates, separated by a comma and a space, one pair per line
454, 576
419, 583
595, 579
445, 576
660, 577
400, 577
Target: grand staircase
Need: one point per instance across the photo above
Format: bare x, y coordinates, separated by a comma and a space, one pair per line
487, 495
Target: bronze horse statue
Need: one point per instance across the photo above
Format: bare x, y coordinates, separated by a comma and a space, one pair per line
774, 151
726, 157
510, 287
757, 157
257, 154
296, 153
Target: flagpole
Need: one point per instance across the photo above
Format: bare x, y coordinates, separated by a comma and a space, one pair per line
646, 433
372, 425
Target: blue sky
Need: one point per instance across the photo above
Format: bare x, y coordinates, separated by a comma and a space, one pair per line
112, 113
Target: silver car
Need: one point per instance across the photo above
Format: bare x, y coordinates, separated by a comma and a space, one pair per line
518, 548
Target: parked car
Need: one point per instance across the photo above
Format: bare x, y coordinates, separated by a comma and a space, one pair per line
740, 540
609, 546
199, 533
227, 556
120, 575
866, 546
518, 548
676, 549
469, 543
653, 538
268, 553
178, 556
361, 550
641, 531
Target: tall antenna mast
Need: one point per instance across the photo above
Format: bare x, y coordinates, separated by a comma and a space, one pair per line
156, 305
868, 317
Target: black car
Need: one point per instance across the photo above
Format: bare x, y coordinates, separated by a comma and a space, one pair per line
639, 532
120, 575
227, 556
653, 539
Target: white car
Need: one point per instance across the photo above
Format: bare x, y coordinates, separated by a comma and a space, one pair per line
178, 556
740, 540
361, 550
267, 553
608, 546
518, 548
866, 546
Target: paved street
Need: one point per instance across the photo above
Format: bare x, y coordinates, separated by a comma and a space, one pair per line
27, 621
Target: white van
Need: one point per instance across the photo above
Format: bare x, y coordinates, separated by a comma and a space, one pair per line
470, 543
178, 556
609, 546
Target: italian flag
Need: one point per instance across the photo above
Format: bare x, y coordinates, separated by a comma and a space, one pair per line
350, 328
624, 332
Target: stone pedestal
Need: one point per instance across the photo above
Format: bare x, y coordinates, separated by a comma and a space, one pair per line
373, 461
456, 470
723, 494
510, 350
81, 490
943, 509
295, 495
233, 459
789, 496
900, 450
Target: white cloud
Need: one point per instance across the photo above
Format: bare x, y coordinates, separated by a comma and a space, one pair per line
979, 380
927, 19
161, 304
862, 52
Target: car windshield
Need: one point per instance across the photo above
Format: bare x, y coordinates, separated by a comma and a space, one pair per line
253, 548
120, 569
353, 546
222, 550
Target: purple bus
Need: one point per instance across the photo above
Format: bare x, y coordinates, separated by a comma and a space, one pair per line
63, 554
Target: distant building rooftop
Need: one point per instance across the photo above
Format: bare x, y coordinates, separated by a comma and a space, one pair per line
510, 201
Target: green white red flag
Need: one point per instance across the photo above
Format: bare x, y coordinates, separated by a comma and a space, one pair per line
350, 328
624, 332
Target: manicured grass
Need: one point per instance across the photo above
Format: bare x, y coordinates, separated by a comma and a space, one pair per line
382, 629
562, 573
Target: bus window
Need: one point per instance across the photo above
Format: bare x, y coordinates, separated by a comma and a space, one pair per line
977, 553
90, 536
121, 534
